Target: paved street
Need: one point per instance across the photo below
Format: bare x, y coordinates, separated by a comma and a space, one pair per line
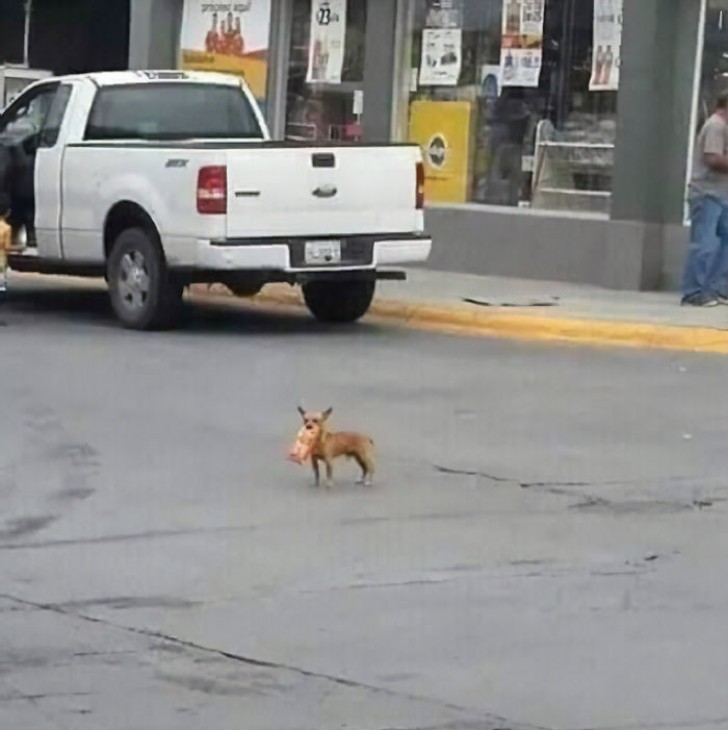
546, 544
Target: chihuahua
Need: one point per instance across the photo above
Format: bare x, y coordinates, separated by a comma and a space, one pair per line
329, 446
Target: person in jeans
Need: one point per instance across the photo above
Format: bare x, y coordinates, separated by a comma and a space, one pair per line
705, 279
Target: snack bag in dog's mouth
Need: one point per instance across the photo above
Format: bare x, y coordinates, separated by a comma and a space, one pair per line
303, 445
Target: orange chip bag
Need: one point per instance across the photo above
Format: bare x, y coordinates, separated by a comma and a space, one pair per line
303, 446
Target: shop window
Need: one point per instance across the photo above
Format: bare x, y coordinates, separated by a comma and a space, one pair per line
326, 70
514, 101
711, 73
714, 66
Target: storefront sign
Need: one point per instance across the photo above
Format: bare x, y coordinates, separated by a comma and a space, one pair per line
522, 42
229, 37
442, 57
443, 129
327, 43
607, 53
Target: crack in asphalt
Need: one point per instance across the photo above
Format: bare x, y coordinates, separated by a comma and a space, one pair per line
125, 537
590, 502
451, 471
697, 723
20, 697
493, 721
500, 479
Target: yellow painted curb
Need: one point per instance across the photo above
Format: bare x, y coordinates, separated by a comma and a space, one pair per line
495, 322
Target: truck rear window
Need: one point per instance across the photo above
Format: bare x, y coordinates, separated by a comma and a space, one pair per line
172, 112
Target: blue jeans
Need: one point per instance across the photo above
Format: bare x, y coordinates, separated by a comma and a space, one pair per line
706, 268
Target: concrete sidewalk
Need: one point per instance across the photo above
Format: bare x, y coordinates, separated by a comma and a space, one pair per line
540, 310
511, 308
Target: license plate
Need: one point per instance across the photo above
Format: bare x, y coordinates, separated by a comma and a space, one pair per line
322, 253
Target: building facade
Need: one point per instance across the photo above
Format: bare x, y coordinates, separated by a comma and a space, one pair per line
557, 133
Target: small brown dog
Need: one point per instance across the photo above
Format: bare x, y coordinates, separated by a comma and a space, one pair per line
329, 446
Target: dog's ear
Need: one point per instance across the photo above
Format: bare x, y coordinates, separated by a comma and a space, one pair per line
302, 411
327, 413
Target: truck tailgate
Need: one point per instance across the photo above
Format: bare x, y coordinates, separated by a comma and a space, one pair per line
326, 191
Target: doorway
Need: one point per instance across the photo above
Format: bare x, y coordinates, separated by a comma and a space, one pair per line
324, 95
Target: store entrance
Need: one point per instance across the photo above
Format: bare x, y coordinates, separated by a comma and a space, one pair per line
325, 94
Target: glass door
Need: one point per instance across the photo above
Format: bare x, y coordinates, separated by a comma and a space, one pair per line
326, 70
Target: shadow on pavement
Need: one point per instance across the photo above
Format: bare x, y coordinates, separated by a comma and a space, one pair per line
91, 307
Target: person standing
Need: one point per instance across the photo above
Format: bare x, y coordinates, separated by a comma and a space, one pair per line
705, 278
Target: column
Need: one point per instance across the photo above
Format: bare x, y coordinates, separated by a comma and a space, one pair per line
154, 33
654, 107
659, 46
379, 69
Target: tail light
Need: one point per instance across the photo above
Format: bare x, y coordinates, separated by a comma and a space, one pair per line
212, 191
420, 194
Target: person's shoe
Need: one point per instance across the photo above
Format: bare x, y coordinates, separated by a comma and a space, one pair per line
700, 300
722, 299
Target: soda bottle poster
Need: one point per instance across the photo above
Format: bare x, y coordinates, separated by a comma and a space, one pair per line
522, 42
326, 45
606, 54
228, 37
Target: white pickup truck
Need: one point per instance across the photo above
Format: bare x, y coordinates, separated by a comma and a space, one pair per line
158, 180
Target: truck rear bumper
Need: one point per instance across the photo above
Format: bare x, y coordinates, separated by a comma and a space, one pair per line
358, 254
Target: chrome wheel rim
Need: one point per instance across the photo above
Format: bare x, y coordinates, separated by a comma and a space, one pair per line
134, 281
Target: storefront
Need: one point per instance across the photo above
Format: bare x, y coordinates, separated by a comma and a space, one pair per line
556, 133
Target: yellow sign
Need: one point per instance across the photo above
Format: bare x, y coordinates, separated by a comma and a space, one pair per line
253, 70
444, 131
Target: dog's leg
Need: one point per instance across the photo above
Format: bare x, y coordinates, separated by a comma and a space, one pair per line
367, 466
316, 471
329, 474
364, 469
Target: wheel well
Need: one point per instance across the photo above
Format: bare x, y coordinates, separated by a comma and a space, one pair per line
127, 215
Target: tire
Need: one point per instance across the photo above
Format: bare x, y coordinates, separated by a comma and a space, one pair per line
339, 301
143, 295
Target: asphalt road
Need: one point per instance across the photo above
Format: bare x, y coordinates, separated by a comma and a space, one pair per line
546, 544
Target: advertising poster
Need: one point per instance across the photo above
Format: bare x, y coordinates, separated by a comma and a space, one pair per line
522, 42
327, 43
442, 57
607, 55
228, 37
443, 129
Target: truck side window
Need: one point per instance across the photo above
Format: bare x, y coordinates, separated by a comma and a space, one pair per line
26, 116
54, 118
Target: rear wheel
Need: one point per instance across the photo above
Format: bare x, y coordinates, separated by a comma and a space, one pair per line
143, 294
339, 301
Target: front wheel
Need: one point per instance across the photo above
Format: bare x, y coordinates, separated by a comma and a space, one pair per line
143, 294
339, 301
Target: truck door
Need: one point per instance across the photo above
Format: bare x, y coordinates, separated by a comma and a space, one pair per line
47, 177
21, 125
